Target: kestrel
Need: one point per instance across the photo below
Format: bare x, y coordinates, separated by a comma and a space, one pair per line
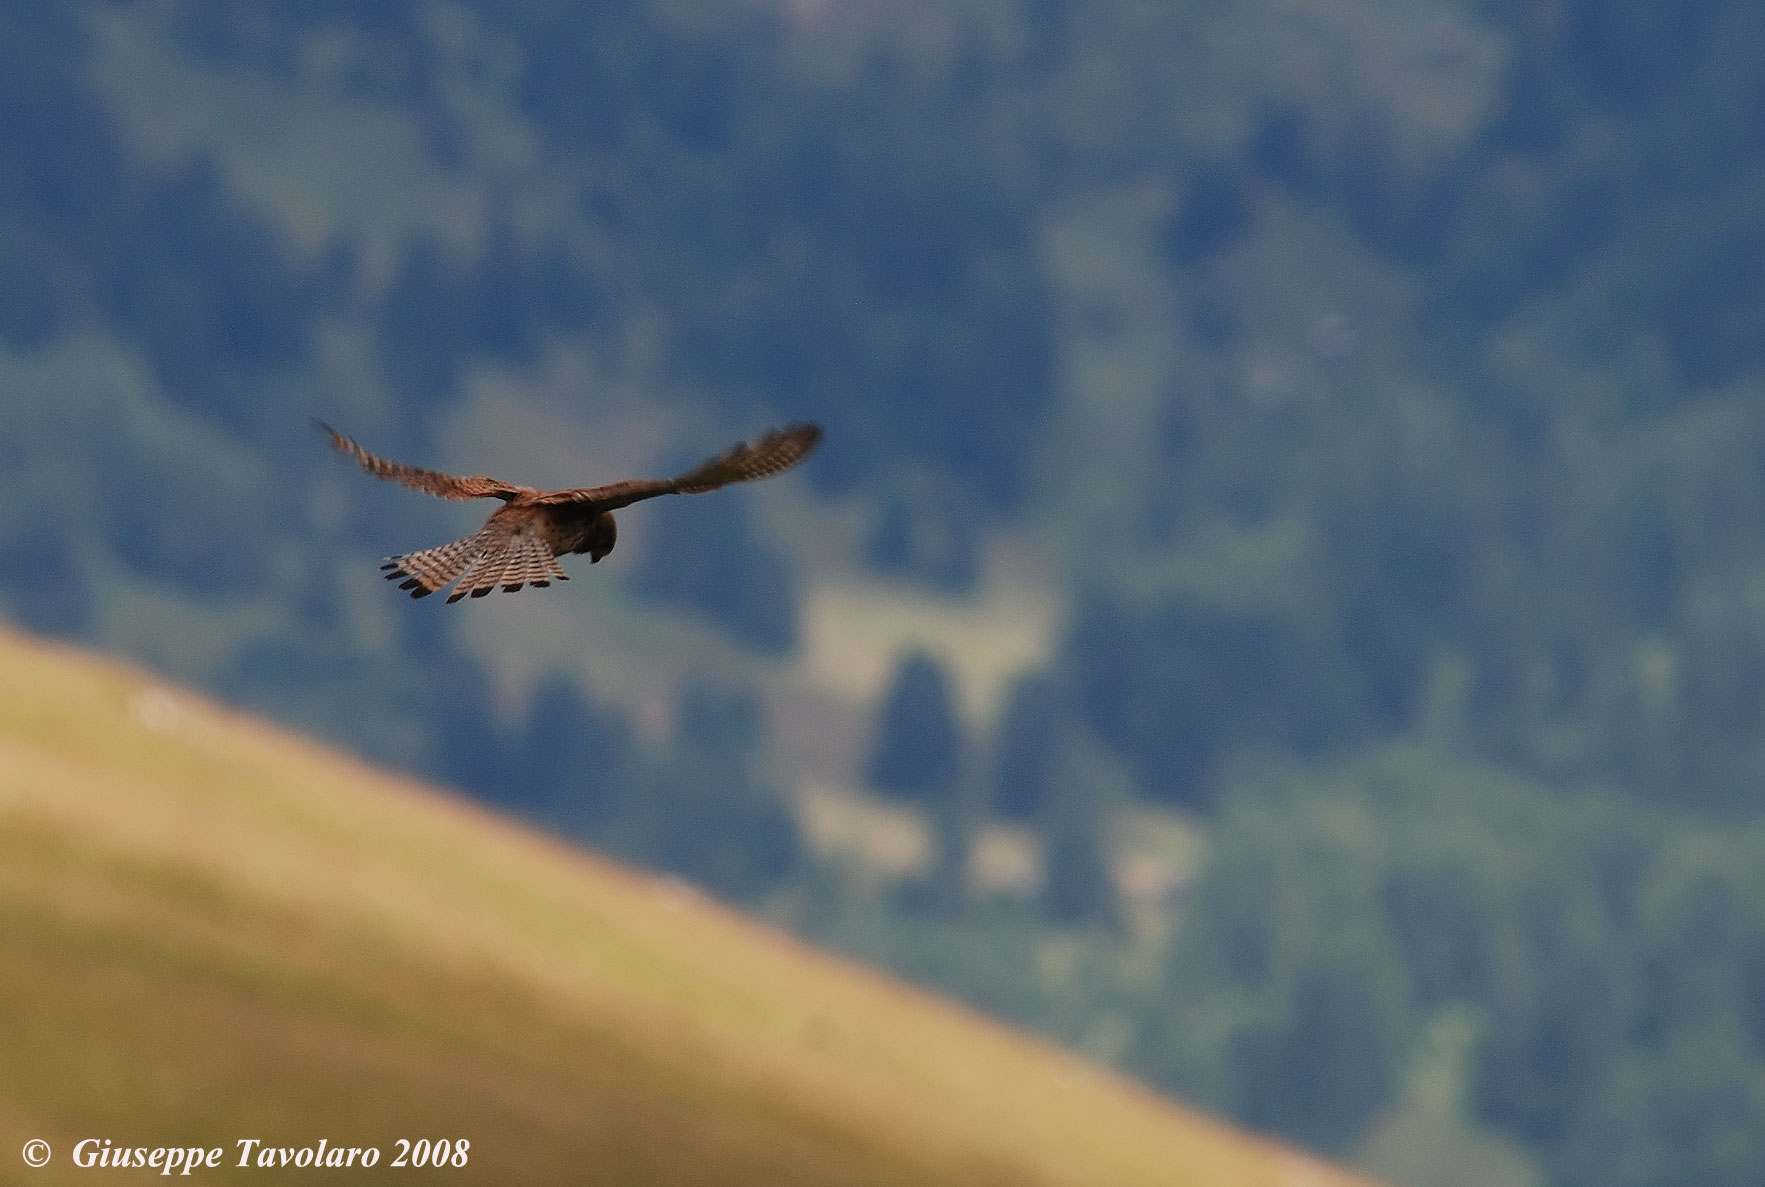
522, 540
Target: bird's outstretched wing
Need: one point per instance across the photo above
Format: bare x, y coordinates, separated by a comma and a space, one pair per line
430, 482
777, 451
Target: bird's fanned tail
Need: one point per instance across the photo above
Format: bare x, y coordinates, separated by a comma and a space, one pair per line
515, 560
529, 561
477, 565
432, 569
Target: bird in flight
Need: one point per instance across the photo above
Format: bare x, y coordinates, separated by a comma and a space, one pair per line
522, 540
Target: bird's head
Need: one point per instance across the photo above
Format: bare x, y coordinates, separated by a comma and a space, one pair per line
601, 536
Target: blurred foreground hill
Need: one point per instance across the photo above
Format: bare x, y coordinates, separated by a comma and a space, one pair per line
218, 931
1319, 452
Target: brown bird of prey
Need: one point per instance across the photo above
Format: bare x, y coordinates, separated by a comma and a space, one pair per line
522, 540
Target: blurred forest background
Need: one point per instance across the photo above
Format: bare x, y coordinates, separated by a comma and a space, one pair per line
1281, 606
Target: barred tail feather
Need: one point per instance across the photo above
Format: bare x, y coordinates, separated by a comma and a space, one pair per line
477, 565
425, 572
476, 579
512, 575
530, 561
509, 566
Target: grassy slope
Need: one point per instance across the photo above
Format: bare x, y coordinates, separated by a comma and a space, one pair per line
212, 930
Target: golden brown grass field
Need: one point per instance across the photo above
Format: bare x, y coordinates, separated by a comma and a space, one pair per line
211, 930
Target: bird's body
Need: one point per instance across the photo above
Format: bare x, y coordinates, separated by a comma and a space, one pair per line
520, 543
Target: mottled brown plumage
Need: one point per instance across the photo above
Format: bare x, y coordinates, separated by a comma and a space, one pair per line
521, 541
